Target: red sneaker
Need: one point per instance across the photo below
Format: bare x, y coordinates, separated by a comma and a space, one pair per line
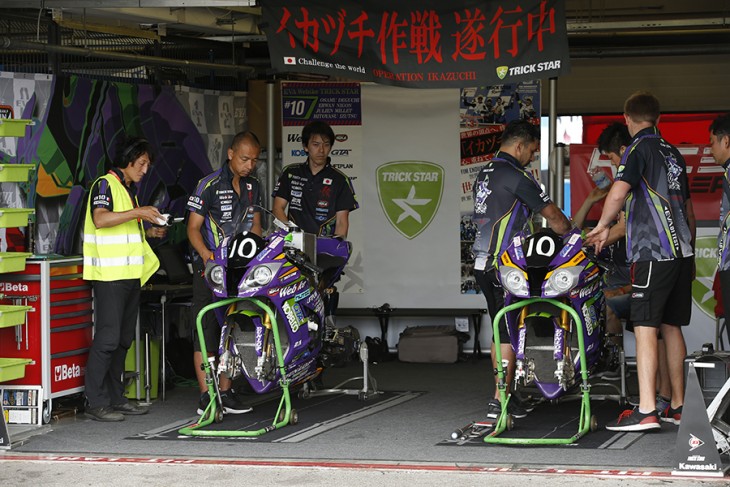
633, 420
671, 415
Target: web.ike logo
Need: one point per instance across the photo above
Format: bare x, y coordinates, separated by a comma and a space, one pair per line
64, 372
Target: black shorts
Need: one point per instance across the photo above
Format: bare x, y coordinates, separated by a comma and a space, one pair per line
203, 296
661, 292
488, 282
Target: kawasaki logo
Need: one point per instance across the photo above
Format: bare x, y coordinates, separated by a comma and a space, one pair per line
410, 194
13, 286
63, 372
706, 265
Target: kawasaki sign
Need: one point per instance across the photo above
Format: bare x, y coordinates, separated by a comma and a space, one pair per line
410, 194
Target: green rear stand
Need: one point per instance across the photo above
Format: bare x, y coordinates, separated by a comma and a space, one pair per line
504, 421
213, 412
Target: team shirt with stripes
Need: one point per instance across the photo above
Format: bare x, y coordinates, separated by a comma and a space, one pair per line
505, 198
222, 209
656, 222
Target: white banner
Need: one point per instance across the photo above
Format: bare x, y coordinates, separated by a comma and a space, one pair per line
411, 150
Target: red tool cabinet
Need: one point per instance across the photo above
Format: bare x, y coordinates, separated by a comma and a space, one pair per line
58, 331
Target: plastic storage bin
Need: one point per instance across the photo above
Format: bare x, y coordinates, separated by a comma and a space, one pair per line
15, 217
12, 368
15, 173
13, 261
12, 315
10, 127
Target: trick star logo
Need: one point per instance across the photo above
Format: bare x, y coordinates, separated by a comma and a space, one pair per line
706, 265
410, 194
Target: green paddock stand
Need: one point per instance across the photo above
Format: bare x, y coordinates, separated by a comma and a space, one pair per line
284, 414
586, 422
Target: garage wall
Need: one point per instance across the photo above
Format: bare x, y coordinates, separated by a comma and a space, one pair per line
682, 84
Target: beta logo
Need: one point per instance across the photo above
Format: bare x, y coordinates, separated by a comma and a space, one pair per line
64, 372
13, 287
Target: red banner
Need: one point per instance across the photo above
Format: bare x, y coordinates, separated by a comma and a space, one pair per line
419, 44
705, 180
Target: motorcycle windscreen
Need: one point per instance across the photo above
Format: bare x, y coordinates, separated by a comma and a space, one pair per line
540, 249
241, 251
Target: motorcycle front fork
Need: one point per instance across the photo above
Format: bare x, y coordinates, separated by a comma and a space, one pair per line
525, 367
267, 348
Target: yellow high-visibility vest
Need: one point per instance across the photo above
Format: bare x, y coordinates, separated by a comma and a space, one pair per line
119, 252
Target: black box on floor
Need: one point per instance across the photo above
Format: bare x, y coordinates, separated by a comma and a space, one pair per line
430, 344
711, 378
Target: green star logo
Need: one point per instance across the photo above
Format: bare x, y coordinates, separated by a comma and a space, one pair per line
706, 266
410, 194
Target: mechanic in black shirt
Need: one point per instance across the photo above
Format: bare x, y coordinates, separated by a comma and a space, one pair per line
318, 196
652, 186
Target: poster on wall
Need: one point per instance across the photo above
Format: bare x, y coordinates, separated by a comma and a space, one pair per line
483, 114
339, 105
419, 44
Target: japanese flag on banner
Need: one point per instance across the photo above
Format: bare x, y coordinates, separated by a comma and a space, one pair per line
419, 43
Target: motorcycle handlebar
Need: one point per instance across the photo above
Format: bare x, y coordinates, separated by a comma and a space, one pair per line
591, 254
298, 258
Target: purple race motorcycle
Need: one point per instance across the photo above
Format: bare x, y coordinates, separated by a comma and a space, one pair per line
555, 316
270, 300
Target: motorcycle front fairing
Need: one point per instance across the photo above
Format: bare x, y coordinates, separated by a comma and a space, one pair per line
544, 265
272, 330
271, 278
275, 271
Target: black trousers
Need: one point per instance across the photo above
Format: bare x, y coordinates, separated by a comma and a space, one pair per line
116, 305
491, 287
